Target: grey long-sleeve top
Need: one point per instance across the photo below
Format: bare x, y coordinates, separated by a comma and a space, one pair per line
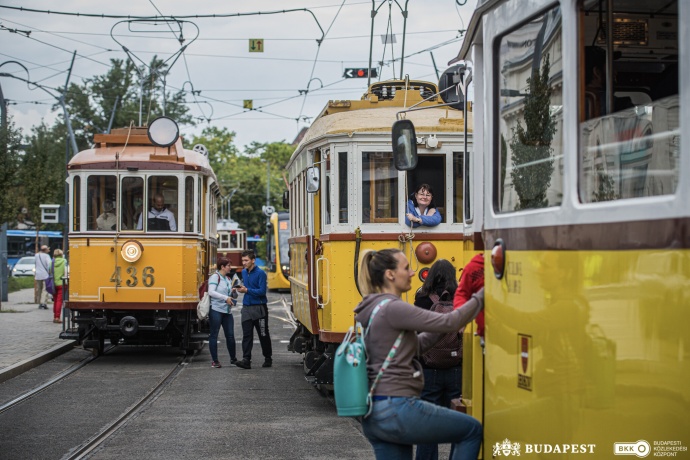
404, 376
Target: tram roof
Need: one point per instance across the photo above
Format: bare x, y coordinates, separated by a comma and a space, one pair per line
134, 148
378, 120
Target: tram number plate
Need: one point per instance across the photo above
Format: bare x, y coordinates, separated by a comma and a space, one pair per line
147, 278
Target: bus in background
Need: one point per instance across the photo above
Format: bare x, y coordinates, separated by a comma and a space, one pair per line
277, 251
23, 243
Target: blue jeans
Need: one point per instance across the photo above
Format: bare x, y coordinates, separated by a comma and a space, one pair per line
440, 386
216, 319
395, 424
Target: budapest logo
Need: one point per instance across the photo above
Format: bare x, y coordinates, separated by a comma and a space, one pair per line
506, 448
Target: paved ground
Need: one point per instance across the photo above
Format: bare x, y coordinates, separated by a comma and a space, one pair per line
28, 335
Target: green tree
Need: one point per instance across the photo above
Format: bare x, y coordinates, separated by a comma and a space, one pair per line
43, 170
531, 145
10, 139
91, 103
246, 173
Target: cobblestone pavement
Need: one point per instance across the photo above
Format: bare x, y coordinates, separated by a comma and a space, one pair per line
27, 334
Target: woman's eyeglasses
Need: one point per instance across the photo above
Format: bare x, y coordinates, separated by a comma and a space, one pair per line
425, 195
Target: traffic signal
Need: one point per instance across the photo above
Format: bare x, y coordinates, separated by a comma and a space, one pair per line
360, 73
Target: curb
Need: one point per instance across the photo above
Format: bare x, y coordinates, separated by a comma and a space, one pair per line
34, 361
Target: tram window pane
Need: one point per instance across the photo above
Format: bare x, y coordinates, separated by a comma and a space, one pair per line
629, 136
189, 204
76, 204
132, 199
459, 178
431, 171
379, 188
529, 161
327, 189
199, 188
101, 205
162, 196
343, 191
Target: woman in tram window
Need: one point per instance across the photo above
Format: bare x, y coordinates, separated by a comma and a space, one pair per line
421, 209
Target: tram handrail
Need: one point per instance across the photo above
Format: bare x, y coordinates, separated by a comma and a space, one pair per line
326, 276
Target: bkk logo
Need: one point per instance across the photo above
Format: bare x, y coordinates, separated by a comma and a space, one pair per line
507, 448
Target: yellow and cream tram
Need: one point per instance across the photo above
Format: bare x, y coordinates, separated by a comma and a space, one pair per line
584, 211
346, 195
142, 238
278, 251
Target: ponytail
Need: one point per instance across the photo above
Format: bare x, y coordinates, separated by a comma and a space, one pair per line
373, 265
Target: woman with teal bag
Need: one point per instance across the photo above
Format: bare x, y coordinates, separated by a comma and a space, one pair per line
399, 418
222, 300
59, 264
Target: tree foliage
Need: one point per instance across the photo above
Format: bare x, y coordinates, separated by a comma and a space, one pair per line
9, 168
531, 145
246, 173
91, 103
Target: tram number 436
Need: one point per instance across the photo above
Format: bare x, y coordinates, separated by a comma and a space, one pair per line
147, 278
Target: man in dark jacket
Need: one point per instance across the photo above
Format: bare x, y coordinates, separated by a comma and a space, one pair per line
254, 311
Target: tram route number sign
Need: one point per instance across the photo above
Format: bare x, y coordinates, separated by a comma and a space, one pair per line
360, 73
133, 277
256, 45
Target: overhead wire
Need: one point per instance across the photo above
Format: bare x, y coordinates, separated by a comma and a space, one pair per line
316, 58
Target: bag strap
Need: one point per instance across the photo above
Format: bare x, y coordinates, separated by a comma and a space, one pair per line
52, 268
388, 359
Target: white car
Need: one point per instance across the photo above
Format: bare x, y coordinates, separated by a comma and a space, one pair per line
26, 266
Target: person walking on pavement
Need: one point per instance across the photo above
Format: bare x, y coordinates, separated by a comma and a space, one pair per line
58, 273
254, 311
43, 262
222, 300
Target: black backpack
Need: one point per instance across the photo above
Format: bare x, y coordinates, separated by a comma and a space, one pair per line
448, 351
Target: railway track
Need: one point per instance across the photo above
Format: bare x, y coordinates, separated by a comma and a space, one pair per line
96, 441
57, 378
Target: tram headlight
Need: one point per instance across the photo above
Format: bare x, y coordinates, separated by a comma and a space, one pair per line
131, 250
498, 258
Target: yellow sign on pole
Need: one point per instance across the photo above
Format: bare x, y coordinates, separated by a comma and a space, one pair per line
256, 45
248, 104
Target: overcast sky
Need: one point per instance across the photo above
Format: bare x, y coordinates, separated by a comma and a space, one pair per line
217, 70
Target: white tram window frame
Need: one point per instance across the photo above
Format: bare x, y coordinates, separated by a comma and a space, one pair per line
360, 150
326, 189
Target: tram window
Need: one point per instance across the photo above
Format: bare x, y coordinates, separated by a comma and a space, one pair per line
327, 189
76, 204
101, 194
629, 139
163, 211
431, 170
132, 199
379, 188
199, 188
343, 191
459, 178
529, 157
189, 204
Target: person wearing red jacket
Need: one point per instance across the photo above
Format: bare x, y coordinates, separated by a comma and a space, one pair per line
471, 281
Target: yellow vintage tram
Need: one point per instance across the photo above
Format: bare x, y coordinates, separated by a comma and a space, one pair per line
346, 195
584, 212
278, 251
141, 238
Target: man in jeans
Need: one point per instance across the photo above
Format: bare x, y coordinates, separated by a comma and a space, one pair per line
43, 262
254, 311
